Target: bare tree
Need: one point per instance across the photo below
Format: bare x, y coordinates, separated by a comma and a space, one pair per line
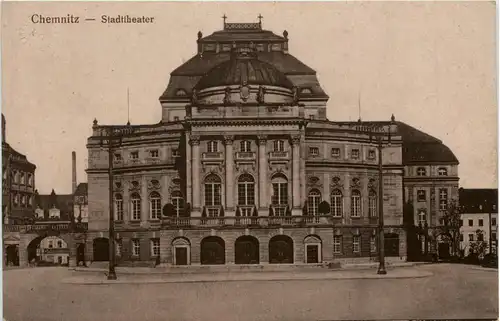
479, 246
450, 225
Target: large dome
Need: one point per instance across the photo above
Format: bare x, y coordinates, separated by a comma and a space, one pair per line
243, 68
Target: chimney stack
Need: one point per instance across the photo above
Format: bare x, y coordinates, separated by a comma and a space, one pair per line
73, 169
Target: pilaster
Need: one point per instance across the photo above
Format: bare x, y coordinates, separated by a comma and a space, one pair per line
263, 182
195, 174
228, 141
188, 170
296, 177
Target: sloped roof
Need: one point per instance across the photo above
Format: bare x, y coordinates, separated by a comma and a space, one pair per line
64, 203
420, 147
242, 35
478, 200
244, 69
82, 189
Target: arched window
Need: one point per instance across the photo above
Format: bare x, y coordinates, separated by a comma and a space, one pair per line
23, 179
155, 206
279, 146
313, 201
336, 203
245, 146
421, 171
178, 203
355, 203
246, 190
442, 171
135, 204
118, 207
212, 146
372, 204
212, 190
279, 199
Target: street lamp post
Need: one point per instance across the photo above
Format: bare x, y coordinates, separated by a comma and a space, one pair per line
378, 131
381, 251
113, 139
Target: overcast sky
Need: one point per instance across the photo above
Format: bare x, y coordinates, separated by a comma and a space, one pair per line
432, 64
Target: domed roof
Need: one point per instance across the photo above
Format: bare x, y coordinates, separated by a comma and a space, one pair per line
243, 68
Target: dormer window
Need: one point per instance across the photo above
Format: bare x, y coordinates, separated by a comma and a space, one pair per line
336, 152
154, 153
442, 171
245, 146
176, 118
279, 146
306, 91
421, 171
212, 146
260, 47
180, 92
314, 151
134, 155
355, 154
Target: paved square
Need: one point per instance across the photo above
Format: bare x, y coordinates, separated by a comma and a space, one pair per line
454, 291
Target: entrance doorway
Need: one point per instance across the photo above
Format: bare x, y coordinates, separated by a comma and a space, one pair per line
181, 256
213, 250
101, 249
281, 250
246, 250
312, 253
12, 253
391, 244
80, 254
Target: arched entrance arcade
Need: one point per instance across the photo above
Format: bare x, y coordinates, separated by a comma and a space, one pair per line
246, 250
213, 250
281, 250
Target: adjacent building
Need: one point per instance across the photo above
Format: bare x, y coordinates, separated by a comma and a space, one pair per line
18, 183
245, 168
479, 218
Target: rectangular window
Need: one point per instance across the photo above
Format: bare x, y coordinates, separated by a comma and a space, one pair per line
443, 199
493, 221
118, 247
279, 146
119, 209
494, 236
422, 218
471, 237
175, 152
212, 147
335, 152
471, 222
134, 155
155, 209
356, 240
355, 153
136, 247
176, 118
371, 154
421, 197
313, 151
461, 237
355, 204
480, 237
373, 244
118, 156
461, 223
337, 244
136, 209
154, 153
480, 221
155, 247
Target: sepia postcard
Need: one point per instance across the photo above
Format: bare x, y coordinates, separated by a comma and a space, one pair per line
249, 160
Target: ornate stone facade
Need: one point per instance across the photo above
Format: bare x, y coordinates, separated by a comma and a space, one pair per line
245, 167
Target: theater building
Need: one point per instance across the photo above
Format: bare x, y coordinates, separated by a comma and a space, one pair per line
245, 168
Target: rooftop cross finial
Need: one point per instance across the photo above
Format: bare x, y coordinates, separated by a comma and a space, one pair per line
260, 19
224, 17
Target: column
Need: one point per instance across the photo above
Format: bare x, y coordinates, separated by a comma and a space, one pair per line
296, 172
195, 173
303, 156
188, 170
144, 199
263, 183
228, 141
